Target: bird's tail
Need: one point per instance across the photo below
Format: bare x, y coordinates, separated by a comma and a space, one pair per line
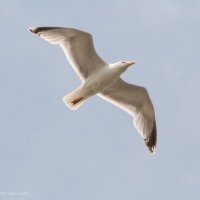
76, 98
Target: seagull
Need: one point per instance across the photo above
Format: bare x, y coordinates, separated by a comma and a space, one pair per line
102, 79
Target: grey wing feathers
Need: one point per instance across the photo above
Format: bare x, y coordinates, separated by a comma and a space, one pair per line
77, 46
136, 101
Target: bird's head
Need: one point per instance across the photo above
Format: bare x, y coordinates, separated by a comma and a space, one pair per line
123, 65
127, 63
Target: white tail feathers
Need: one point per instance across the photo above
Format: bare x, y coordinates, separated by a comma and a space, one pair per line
75, 99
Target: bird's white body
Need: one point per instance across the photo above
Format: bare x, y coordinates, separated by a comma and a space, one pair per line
97, 82
103, 79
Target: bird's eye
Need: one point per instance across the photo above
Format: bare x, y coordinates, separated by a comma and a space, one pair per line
123, 62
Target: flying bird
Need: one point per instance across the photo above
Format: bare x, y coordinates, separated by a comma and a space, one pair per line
103, 79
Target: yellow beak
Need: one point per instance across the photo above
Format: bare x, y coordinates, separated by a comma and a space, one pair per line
131, 62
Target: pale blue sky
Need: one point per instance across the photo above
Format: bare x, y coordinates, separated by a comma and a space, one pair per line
95, 153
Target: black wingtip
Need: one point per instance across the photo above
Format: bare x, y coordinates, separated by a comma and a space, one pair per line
152, 149
39, 29
33, 30
151, 141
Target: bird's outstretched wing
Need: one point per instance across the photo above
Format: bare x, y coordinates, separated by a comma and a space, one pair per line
136, 101
77, 46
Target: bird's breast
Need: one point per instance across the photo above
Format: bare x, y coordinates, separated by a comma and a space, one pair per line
100, 81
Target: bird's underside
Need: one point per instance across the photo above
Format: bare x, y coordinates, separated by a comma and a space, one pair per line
103, 79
